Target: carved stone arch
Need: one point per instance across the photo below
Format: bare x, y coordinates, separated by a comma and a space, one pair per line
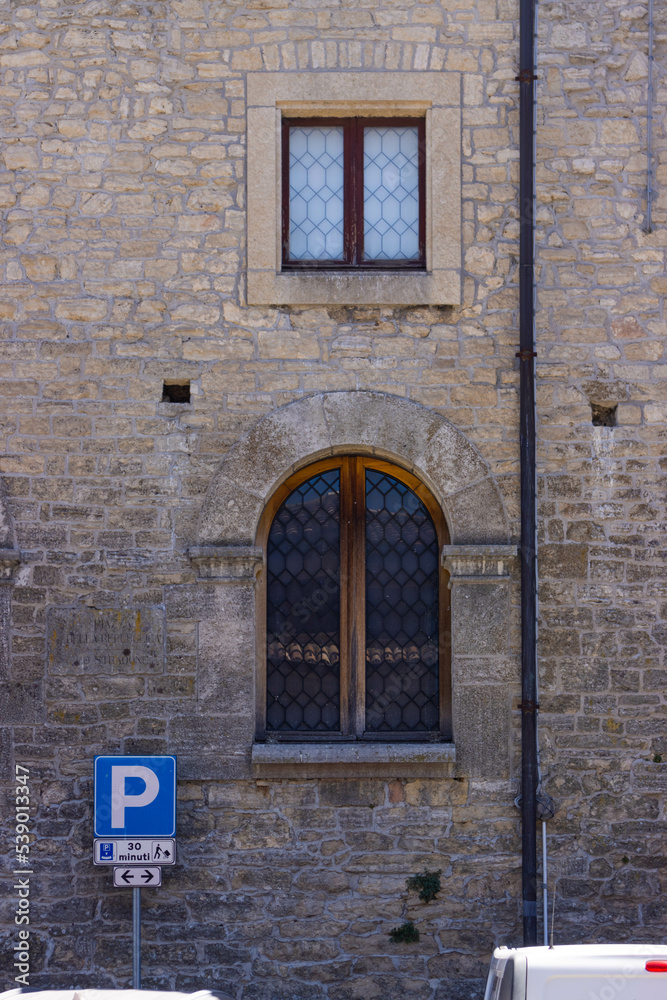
484, 665
363, 422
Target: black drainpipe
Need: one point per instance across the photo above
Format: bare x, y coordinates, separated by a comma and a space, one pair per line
526, 355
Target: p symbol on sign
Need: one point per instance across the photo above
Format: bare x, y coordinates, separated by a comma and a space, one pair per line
122, 798
135, 796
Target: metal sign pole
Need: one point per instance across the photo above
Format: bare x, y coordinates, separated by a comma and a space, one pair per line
136, 937
131, 842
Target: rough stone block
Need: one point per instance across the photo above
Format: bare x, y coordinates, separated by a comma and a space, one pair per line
227, 652
482, 730
566, 561
480, 612
20, 703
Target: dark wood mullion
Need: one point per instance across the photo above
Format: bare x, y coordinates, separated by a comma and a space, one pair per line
349, 192
359, 189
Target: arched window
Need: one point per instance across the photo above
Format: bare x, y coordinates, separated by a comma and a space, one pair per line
354, 613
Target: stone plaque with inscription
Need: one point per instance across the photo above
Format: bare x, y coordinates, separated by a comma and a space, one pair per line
105, 640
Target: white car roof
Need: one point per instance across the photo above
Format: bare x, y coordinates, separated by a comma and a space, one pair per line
74, 994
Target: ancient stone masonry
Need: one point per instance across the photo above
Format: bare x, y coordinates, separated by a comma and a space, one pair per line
129, 563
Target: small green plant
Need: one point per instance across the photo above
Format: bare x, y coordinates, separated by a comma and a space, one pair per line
407, 933
427, 884
625, 859
657, 758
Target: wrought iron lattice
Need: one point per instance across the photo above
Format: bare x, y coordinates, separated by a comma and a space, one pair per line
303, 609
401, 609
391, 193
316, 193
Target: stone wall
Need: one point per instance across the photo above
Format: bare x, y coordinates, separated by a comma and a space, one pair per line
602, 591
123, 265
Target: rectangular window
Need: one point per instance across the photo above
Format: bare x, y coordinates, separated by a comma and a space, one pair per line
354, 193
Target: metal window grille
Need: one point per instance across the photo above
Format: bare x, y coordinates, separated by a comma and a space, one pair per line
354, 608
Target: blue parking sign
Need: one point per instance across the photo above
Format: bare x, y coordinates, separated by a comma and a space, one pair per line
135, 796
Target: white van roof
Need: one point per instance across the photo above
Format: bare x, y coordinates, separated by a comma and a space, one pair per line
578, 972
580, 955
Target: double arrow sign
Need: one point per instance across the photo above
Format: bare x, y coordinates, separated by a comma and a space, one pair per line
137, 876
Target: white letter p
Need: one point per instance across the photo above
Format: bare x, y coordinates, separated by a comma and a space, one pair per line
120, 800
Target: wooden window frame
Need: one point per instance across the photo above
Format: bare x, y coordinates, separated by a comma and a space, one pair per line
353, 195
352, 606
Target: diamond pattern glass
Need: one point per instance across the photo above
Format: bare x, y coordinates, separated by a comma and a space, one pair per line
401, 609
316, 193
391, 193
303, 609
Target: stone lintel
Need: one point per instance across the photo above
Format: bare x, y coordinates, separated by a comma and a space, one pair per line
354, 760
227, 563
478, 563
9, 560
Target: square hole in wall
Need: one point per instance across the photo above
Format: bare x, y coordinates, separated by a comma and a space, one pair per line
603, 415
176, 391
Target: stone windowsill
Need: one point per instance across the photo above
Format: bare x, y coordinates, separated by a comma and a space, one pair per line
353, 760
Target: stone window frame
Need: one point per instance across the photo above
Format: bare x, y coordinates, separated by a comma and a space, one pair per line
433, 96
480, 560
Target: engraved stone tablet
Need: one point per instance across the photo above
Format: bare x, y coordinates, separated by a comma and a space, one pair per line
105, 641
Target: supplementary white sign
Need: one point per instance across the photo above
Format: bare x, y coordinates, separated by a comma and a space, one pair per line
134, 851
143, 876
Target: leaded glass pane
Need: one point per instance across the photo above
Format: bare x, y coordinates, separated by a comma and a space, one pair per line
316, 193
391, 193
303, 609
401, 609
